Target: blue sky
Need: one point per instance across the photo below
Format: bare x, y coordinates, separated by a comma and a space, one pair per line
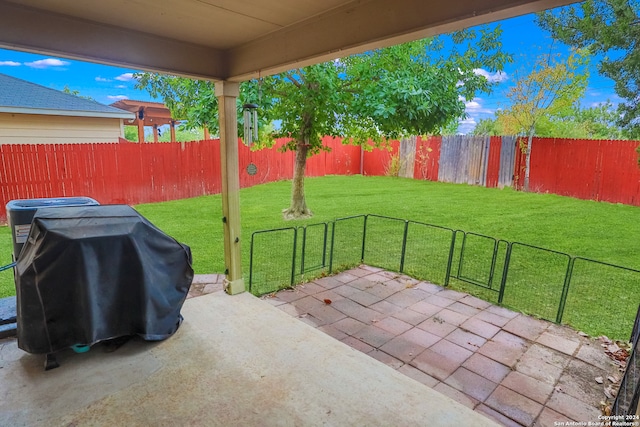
107, 84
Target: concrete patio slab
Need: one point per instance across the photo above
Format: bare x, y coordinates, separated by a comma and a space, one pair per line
235, 361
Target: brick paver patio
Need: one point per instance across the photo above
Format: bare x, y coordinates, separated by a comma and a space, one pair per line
515, 369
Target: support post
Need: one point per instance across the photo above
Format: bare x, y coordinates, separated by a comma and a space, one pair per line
173, 130
140, 131
227, 93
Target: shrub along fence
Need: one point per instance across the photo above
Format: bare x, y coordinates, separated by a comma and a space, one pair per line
597, 297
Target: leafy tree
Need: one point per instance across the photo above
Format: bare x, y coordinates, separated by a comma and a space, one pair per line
131, 133
182, 134
192, 101
75, 92
550, 89
597, 122
451, 128
489, 127
610, 28
408, 89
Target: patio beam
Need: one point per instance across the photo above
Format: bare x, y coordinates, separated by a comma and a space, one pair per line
49, 33
227, 94
359, 26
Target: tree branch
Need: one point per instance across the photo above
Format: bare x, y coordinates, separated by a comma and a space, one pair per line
291, 77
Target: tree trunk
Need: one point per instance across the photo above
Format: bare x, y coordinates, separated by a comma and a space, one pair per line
298, 208
527, 167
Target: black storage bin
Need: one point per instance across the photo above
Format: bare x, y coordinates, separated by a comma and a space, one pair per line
21, 212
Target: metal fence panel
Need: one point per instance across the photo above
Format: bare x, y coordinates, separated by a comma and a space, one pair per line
537, 276
610, 292
477, 259
427, 252
555, 286
313, 251
626, 402
273, 260
384, 242
477, 264
347, 239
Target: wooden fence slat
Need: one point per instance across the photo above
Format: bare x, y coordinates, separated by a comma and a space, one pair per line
507, 161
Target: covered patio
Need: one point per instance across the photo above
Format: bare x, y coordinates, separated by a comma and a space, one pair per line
236, 360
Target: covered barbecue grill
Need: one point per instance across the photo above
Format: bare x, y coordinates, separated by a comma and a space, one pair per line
93, 273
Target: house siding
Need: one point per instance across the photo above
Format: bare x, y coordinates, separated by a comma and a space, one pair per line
43, 129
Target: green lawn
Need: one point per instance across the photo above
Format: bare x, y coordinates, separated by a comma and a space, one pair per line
602, 231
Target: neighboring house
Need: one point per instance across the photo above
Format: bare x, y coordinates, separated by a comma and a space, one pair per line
34, 114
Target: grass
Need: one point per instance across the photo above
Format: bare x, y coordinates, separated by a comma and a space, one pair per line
601, 231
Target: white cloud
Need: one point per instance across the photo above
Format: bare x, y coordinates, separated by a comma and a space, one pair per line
117, 97
472, 105
475, 107
475, 111
121, 87
497, 77
467, 125
126, 77
102, 79
10, 64
47, 63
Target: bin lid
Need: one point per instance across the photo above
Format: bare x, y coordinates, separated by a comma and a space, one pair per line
30, 204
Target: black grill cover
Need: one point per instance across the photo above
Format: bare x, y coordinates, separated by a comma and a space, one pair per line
88, 274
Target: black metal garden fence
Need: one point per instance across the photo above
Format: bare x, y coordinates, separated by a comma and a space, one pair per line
626, 403
550, 284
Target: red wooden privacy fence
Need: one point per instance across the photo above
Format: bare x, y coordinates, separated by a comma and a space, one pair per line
586, 169
141, 173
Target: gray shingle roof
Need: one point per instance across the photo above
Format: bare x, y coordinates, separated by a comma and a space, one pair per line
20, 96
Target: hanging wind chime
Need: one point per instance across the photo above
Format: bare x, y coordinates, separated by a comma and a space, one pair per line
250, 123
250, 116
250, 113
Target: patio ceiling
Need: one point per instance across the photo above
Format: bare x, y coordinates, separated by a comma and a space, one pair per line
235, 39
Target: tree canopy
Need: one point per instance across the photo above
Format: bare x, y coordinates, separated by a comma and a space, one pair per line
182, 135
545, 102
410, 89
597, 122
611, 29
549, 90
